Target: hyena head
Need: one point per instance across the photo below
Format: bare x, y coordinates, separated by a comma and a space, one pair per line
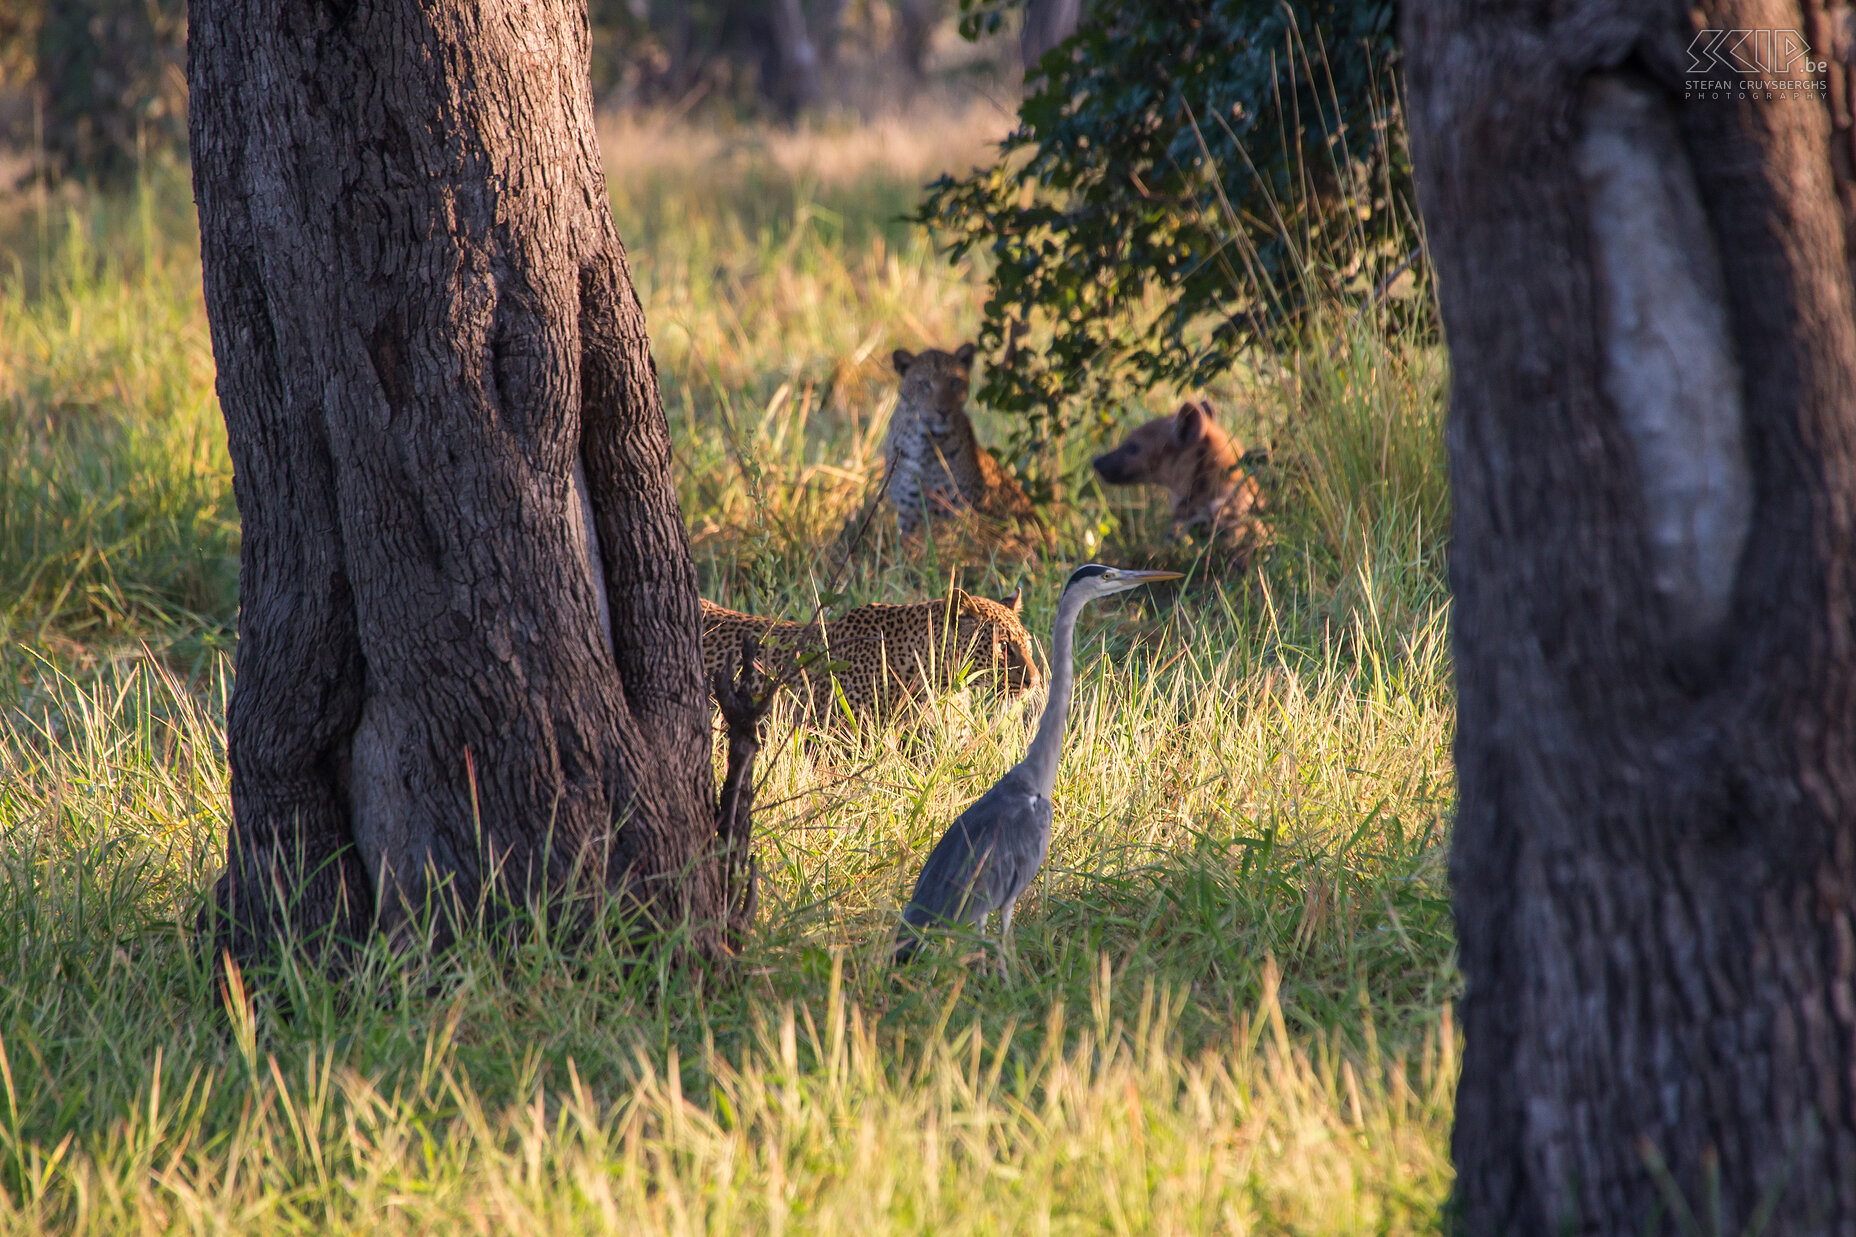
1166, 451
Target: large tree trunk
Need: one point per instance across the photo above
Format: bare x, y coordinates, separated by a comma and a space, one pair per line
796, 84
916, 20
1047, 23
1652, 442
468, 663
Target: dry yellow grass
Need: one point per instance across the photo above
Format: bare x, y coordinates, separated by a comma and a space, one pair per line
1233, 1013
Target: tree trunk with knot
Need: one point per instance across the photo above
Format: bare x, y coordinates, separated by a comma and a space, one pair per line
468, 671
1646, 290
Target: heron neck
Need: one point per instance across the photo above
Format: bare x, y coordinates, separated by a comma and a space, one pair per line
1041, 761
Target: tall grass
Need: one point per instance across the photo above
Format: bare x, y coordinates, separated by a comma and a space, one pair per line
116, 513
1231, 1008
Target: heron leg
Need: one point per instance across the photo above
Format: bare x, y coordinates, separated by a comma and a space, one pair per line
1005, 936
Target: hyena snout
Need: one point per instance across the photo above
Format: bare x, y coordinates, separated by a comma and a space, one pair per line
1113, 467
1138, 460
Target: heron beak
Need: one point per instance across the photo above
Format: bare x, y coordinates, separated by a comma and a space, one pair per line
1149, 577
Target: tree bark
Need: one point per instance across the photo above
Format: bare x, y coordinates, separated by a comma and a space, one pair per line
745, 697
797, 84
1652, 441
468, 671
916, 20
1047, 23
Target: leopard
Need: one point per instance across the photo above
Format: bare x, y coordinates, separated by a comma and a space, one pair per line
934, 465
879, 659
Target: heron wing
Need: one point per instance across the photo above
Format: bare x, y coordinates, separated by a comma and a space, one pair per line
972, 869
1028, 848
953, 886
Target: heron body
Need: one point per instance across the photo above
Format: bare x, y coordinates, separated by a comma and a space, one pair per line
989, 855
983, 862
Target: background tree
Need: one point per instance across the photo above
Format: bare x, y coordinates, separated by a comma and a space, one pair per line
1183, 176
468, 663
755, 53
1648, 302
107, 76
1046, 24
917, 20
100, 83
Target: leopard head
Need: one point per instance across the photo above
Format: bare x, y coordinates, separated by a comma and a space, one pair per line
934, 386
991, 634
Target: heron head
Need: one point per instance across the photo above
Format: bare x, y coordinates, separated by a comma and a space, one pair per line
1093, 580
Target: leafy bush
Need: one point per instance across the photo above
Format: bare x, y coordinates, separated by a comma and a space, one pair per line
1185, 177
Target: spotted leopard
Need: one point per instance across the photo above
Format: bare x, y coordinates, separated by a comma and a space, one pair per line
880, 657
933, 462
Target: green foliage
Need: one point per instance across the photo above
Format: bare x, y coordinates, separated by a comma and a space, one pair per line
1186, 175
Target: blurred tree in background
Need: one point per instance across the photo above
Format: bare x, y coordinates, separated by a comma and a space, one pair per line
1046, 24
1186, 177
106, 77
96, 85
742, 51
784, 54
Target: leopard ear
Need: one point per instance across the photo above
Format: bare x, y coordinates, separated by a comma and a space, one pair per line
1016, 601
964, 354
902, 359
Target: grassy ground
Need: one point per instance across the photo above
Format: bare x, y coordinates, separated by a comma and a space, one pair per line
1232, 1011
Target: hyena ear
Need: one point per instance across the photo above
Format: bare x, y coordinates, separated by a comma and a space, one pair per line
902, 359
1016, 601
964, 354
1189, 426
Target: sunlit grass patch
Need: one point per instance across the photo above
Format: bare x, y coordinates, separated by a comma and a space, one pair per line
1231, 1006
1226, 1012
116, 512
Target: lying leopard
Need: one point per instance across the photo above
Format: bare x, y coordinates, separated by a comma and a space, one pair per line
881, 657
935, 466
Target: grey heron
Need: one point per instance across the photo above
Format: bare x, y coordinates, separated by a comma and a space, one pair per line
992, 850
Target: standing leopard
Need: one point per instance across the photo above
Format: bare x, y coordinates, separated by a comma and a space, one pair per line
880, 656
934, 463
